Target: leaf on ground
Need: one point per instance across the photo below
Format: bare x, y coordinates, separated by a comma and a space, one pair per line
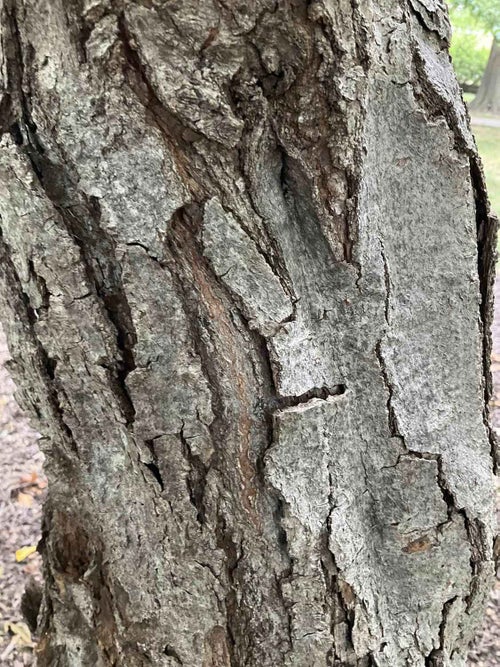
25, 499
20, 631
24, 552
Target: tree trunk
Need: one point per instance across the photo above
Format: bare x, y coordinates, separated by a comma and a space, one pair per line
487, 99
246, 277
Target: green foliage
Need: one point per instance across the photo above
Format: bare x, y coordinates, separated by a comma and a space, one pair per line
486, 13
471, 43
469, 58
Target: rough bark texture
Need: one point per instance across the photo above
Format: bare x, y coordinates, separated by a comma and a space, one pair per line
487, 99
246, 268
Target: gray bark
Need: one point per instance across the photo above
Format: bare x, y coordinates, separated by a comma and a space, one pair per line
246, 276
487, 99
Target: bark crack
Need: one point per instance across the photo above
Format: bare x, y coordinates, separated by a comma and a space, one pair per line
436, 657
81, 217
391, 415
487, 231
279, 402
47, 365
387, 281
196, 478
153, 465
473, 527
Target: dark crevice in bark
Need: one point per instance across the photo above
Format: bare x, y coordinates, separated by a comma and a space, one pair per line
16, 134
183, 247
487, 230
233, 555
179, 245
196, 478
473, 527
283, 402
23, 129
104, 275
446, 493
81, 216
6, 111
155, 471
172, 653
391, 416
153, 465
249, 107
341, 607
97, 251
31, 603
387, 281
81, 29
479, 554
437, 656
45, 363
178, 137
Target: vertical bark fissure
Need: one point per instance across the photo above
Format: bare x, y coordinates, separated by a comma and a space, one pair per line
196, 479
170, 127
96, 248
487, 230
436, 657
46, 365
98, 254
22, 129
476, 538
435, 106
182, 246
391, 415
268, 246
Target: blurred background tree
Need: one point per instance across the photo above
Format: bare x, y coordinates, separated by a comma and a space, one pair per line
475, 51
470, 47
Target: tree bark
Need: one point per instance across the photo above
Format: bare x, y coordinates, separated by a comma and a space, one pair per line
487, 99
246, 280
